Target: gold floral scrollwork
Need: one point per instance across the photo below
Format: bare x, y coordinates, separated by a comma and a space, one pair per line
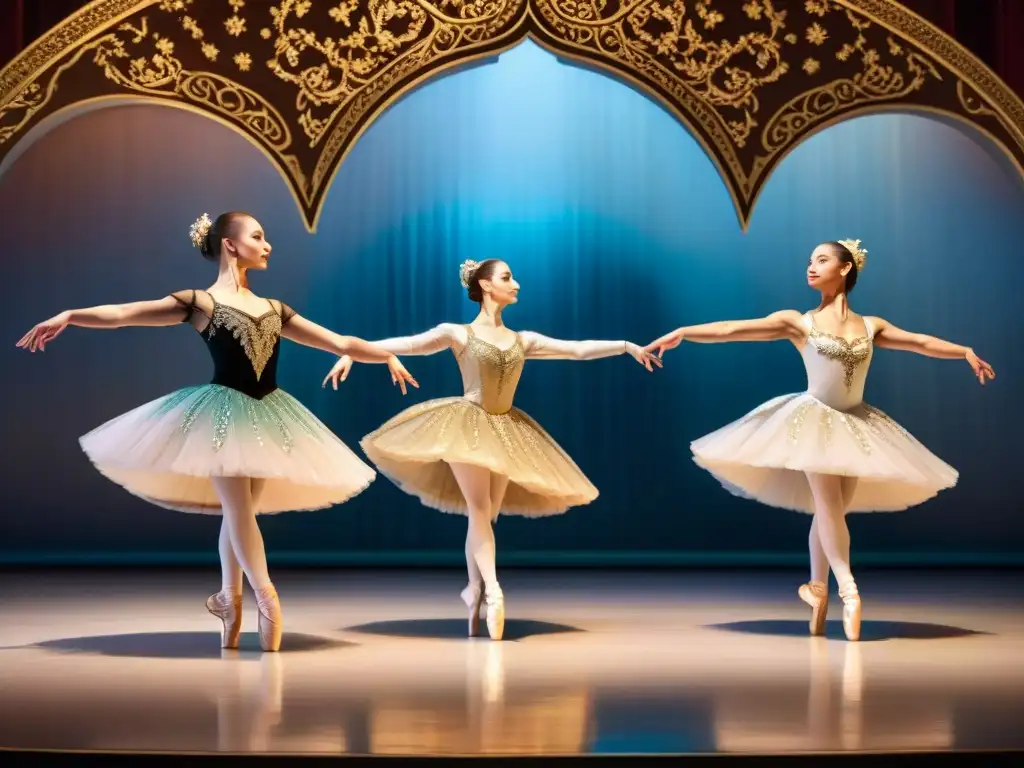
453, 32
710, 60
157, 72
302, 79
21, 104
1007, 106
142, 62
726, 73
240, 103
61, 40
972, 103
884, 75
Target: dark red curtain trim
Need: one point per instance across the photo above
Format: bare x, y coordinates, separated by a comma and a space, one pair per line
12, 29
1010, 59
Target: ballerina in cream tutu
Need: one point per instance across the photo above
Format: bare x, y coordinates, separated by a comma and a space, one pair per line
238, 446
476, 454
825, 451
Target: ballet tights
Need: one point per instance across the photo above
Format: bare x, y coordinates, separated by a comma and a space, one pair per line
230, 570
830, 537
483, 492
819, 561
241, 543
471, 567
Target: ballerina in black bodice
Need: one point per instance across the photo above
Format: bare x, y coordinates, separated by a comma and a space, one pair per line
238, 446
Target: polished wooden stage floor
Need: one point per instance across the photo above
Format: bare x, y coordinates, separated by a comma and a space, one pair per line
594, 662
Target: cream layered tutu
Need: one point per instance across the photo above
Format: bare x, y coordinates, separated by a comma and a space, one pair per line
764, 456
413, 450
167, 450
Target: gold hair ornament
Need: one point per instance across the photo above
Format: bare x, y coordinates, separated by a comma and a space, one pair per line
466, 270
860, 255
199, 230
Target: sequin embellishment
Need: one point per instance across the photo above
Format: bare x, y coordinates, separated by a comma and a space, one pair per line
796, 421
826, 426
221, 420
852, 424
228, 412
257, 335
849, 354
504, 362
826, 417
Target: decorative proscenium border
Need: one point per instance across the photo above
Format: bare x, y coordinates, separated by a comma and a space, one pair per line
302, 79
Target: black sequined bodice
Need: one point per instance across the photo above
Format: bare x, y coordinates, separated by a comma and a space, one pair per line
244, 348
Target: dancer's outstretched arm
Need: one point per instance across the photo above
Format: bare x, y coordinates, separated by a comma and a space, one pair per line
784, 324
158, 312
437, 339
537, 345
302, 331
888, 336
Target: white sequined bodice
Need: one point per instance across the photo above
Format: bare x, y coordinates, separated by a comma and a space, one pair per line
837, 369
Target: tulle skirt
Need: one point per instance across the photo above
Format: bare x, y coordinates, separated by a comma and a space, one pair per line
414, 448
167, 450
764, 456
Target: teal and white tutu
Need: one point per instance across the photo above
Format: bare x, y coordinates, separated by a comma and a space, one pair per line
167, 450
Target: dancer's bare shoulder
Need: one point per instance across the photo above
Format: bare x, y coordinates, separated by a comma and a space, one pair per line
790, 323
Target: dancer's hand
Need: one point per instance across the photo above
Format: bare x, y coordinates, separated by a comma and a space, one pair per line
399, 375
339, 372
659, 347
642, 356
45, 332
981, 369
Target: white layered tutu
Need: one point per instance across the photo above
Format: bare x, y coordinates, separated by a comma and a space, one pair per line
764, 456
167, 450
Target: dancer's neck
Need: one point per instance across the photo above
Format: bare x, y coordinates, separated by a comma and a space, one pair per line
231, 277
490, 315
835, 303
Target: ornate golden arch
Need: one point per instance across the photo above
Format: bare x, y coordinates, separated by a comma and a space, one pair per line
302, 79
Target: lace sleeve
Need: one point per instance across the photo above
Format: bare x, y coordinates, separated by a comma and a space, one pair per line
187, 300
435, 340
287, 313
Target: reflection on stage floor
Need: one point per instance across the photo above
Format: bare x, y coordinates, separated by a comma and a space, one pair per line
593, 662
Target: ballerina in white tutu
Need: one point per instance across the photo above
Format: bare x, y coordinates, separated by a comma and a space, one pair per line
825, 451
238, 446
476, 454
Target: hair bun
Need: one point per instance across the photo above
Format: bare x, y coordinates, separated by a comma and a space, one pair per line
199, 230
860, 255
466, 270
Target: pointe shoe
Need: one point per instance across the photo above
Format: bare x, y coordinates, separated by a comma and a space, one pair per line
495, 614
227, 608
473, 597
815, 594
271, 626
851, 614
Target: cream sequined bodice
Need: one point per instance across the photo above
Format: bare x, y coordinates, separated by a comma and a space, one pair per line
837, 369
490, 374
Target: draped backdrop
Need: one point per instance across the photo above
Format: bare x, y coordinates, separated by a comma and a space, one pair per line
617, 225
